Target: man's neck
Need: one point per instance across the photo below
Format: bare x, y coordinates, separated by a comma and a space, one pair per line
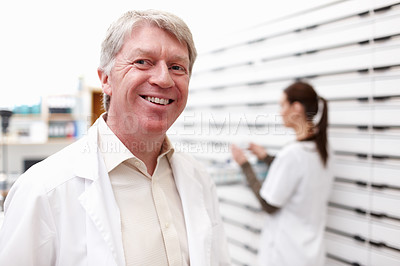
146, 149
145, 146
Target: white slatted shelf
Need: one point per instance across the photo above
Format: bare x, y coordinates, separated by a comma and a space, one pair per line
352, 170
377, 257
387, 175
241, 256
348, 51
348, 223
388, 234
347, 248
385, 203
356, 198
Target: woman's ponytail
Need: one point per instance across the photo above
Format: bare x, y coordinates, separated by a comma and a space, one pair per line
321, 126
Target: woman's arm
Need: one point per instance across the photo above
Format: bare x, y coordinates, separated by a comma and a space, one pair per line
268, 159
261, 153
255, 186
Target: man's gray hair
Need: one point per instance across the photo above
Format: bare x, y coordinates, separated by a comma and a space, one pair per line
118, 31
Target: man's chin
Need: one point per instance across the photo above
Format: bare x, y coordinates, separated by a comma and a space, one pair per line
154, 127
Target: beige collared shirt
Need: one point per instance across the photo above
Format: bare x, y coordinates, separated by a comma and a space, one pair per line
152, 221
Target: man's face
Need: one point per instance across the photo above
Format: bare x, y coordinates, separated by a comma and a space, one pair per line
149, 82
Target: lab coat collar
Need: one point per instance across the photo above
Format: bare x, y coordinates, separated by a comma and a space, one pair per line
98, 199
87, 155
99, 202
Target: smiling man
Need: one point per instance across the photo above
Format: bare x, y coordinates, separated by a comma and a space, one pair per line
122, 195
148, 88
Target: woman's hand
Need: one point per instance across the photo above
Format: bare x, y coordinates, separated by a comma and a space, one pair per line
238, 155
258, 151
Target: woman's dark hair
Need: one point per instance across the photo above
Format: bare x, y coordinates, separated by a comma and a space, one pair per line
305, 94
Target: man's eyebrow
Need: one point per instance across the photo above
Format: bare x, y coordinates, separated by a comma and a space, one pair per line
180, 58
176, 57
141, 51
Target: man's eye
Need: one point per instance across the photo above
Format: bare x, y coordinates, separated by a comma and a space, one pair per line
142, 64
178, 68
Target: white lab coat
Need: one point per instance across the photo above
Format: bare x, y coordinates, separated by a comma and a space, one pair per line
62, 211
300, 185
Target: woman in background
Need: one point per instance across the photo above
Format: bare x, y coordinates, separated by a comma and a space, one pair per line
296, 190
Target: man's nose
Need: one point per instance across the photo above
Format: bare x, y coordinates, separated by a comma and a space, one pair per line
162, 76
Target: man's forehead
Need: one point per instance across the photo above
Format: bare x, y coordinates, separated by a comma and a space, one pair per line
145, 48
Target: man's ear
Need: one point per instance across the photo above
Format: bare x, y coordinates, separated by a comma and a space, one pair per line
104, 82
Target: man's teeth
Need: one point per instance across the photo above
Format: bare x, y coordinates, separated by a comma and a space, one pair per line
157, 100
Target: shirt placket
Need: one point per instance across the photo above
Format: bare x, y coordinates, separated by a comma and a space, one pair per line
169, 233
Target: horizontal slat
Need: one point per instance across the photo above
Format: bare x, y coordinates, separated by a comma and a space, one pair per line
387, 26
362, 115
348, 223
383, 258
386, 115
383, 3
334, 262
246, 237
384, 56
351, 197
350, 143
385, 233
386, 145
347, 248
241, 256
386, 175
382, 203
241, 95
353, 170
387, 86
352, 89
243, 218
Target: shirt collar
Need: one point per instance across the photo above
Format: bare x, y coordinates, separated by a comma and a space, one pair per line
167, 148
114, 152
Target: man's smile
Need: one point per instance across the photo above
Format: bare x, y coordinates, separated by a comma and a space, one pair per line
156, 100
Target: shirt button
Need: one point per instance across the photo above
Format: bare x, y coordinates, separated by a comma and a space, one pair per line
137, 164
166, 225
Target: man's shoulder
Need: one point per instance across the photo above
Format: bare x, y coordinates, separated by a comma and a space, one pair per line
57, 168
198, 168
188, 160
183, 156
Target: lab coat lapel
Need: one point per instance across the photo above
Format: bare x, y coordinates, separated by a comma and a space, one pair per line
198, 224
99, 202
